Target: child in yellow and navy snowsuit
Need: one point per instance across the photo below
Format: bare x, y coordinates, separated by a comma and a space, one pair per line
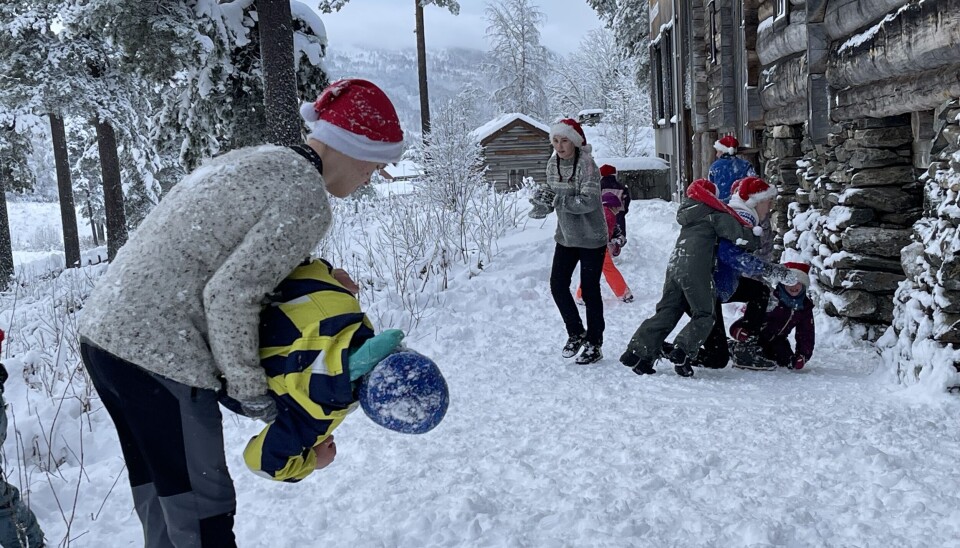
322, 358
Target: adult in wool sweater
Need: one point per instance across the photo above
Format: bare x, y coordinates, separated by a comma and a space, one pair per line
175, 318
573, 191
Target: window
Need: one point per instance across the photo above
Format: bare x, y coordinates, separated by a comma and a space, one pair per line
656, 67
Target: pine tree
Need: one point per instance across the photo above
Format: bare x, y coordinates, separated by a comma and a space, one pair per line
516, 58
15, 176
629, 20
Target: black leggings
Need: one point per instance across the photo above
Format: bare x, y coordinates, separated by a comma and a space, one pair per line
565, 260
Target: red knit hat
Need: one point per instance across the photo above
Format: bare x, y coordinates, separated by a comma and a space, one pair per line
569, 128
727, 144
751, 191
607, 169
801, 271
356, 117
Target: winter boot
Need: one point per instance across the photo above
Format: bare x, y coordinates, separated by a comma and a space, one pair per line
639, 365
750, 356
591, 354
573, 346
682, 362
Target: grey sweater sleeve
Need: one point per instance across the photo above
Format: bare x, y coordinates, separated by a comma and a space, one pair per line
233, 296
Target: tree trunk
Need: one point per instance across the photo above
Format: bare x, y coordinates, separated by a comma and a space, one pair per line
68, 215
281, 107
6, 248
93, 224
112, 189
422, 69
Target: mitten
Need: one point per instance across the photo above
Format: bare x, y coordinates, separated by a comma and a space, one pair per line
259, 407
797, 362
778, 274
613, 248
373, 351
542, 202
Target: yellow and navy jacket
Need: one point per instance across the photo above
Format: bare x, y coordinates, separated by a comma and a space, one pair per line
306, 332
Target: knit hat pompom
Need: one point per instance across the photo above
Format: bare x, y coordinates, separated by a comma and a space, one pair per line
727, 145
356, 118
570, 129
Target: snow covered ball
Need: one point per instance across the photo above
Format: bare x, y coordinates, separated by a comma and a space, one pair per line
405, 392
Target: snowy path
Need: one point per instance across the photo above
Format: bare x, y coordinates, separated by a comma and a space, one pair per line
537, 451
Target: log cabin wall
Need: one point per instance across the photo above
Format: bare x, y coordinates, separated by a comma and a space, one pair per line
922, 345
518, 150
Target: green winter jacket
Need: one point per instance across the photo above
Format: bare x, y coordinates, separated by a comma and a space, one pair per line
694, 255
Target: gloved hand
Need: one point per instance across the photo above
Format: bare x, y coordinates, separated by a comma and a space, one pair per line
613, 248
797, 362
542, 202
373, 351
260, 407
778, 274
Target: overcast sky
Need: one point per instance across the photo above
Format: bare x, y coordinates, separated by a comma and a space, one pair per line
390, 24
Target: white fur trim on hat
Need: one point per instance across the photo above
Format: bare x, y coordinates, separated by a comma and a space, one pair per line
802, 276
561, 129
355, 146
724, 149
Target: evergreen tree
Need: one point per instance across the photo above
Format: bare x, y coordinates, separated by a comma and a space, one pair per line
517, 59
15, 176
629, 20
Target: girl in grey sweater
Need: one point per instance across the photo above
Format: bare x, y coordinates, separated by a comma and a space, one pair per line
175, 318
573, 191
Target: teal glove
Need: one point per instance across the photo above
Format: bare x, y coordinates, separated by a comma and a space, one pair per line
372, 352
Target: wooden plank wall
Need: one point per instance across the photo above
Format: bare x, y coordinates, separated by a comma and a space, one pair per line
517, 149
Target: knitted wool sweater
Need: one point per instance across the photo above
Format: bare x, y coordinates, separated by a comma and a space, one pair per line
580, 219
182, 298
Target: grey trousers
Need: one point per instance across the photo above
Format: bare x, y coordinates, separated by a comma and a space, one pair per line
172, 440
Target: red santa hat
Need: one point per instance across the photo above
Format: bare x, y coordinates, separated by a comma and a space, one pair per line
356, 117
727, 144
569, 128
750, 191
607, 170
801, 271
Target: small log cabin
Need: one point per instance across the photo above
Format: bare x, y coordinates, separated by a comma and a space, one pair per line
514, 146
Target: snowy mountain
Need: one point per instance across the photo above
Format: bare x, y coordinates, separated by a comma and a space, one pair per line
449, 71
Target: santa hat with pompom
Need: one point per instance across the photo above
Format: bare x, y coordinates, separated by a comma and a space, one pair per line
801, 271
569, 128
356, 118
727, 145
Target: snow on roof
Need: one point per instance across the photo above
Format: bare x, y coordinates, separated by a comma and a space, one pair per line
640, 163
404, 168
500, 122
586, 111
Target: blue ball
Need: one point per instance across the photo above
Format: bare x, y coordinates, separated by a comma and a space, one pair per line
405, 392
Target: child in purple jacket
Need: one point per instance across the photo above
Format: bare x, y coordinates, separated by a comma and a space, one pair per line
790, 309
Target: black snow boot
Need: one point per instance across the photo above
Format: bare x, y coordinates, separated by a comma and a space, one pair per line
639, 365
682, 362
591, 354
573, 346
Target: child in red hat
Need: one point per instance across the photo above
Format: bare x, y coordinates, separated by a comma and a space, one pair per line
790, 312
728, 167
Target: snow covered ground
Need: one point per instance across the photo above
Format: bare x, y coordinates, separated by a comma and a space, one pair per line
539, 452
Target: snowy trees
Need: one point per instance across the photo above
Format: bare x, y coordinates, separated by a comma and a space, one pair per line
517, 58
629, 20
328, 6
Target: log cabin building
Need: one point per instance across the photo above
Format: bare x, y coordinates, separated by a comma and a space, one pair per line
514, 146
851, 108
